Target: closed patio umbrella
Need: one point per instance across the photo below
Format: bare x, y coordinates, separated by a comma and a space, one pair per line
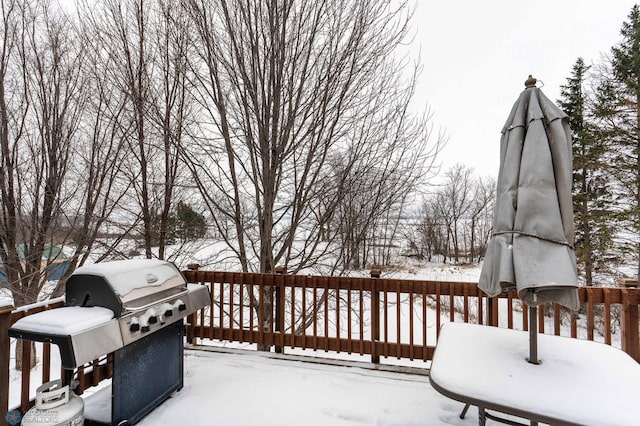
531, 247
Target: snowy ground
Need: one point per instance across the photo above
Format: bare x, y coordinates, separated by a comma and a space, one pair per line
240, 387
265, 389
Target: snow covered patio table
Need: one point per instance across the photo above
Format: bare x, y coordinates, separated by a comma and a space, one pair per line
577, 383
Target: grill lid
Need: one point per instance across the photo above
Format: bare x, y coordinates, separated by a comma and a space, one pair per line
124, 284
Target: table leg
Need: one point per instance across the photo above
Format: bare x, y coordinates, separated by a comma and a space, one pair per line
464, 410
482, 419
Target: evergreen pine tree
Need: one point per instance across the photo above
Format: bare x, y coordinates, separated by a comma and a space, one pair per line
188, 224
592, 198
618, 109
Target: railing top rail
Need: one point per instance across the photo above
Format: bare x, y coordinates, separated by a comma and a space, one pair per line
26, 310
453, 288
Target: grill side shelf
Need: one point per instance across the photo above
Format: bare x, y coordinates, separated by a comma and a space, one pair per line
80, 347
63, 342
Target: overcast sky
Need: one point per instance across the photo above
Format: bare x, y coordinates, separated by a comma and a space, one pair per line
477, 55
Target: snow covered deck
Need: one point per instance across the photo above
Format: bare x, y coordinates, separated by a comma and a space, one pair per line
249, 388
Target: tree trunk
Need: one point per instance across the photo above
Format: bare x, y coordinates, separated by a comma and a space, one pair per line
265, 317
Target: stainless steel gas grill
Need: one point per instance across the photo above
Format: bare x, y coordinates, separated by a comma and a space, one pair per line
133, 308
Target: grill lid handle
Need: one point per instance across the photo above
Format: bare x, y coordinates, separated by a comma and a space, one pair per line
155, 302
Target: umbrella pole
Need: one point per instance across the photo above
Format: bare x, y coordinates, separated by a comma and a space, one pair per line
533, 335
533, 332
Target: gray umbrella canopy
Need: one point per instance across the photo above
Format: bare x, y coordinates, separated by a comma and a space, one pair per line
531, 248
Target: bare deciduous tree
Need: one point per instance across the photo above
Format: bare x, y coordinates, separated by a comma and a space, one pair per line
54, 179
456, 220
454, 201
144, 57
481, 216
305, 104
42, 102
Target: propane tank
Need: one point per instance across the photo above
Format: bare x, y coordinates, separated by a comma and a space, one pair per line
55, 405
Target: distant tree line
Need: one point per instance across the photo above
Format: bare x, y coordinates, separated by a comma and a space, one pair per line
454, 223
601, 100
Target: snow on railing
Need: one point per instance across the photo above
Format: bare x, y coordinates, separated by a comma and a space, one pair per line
42, 304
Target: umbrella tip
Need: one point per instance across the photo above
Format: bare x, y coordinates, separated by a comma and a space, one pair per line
530, 82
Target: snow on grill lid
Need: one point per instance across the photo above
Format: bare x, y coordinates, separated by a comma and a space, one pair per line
64, 321
125, 276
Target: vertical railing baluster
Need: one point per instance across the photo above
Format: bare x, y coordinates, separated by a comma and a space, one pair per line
465, 302
375, 315
293, 317
252, 307
398, 321
26, 374
314, 282
337, 294
261, 313
230, 315
385, 311
590, 317
438, 311
325, 283
607, 315
349, 308
304, 313
510, 310
411, 326
452, 305
480, 294
424, 321
238, 317
361, 315
279, 307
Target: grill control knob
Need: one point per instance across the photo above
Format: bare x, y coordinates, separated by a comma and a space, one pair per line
134, 325
180, 305
167, 309
153, 319
145, 328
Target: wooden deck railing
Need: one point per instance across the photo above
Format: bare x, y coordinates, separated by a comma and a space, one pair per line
377, 317
389, 317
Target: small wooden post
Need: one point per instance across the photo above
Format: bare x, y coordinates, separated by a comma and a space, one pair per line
5, 323
630, 320
375, 316
190, 328
492, 311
